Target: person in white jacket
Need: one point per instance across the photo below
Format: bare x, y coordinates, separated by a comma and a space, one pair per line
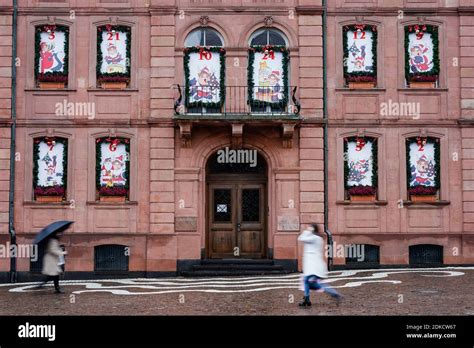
314, 265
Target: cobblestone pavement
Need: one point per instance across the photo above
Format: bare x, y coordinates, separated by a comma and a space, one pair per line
440, 291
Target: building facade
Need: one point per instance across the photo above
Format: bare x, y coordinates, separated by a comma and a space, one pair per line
186, 136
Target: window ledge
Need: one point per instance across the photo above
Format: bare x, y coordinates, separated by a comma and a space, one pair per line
50, 90
55, 204
360, 90
439, 203
348, 202
112, 90
406, 89
111, 203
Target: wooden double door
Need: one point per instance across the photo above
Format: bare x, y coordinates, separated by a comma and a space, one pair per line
237, 220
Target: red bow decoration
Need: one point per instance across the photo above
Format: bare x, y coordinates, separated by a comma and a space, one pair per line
419, 31
421, 142
49, 28
108, 27
50, 141
113, 144
360, 143
359, 26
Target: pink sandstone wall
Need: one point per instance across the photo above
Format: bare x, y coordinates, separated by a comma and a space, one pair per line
5, 116
353, 112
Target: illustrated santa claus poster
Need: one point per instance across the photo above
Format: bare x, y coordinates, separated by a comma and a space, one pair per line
114, 52
359, 46
268, 76
52, 51
422, 165
360, 164
204, 77
420, 53
113, 164
50, 164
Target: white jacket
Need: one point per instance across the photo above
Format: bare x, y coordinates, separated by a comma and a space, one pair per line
51, 258
313, 255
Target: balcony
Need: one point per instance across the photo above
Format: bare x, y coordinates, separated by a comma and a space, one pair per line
233, 103
267, 106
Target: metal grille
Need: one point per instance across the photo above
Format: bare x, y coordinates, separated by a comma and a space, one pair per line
423, 254
251, 205
371, 254
37, 266
222, 205
110, 258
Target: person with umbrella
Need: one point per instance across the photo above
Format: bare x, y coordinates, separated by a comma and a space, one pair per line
54, 254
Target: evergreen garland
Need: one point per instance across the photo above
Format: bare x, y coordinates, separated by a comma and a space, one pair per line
362, 76
433, 74
250, 83
187, 90
36, 158
98, 160
436, 145
55, 76
113, 77
374, 156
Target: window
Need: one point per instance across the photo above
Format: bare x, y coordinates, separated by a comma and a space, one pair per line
112, 169
265, 37
423, 168
268, 71
421, 55
204, 37
362, 254
360, 168
204, 70
360, 55
113, 56
111, 258
51, 56
426, 254
50, 158
36, 264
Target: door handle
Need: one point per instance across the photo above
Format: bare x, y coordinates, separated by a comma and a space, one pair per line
239, 225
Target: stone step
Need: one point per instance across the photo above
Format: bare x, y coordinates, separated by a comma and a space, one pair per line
243, 267
230, 273
237, 262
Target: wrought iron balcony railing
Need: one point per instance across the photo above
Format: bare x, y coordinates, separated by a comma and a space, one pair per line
237, 102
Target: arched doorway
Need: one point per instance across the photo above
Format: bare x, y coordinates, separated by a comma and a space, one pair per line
236, 204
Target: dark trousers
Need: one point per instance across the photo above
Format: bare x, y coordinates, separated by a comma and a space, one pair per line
55, 280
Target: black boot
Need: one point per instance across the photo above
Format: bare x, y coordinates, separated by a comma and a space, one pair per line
58, 290
305, 303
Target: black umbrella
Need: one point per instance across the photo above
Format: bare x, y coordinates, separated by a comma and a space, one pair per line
52, 229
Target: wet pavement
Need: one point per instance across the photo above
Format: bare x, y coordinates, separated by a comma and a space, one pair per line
441, 291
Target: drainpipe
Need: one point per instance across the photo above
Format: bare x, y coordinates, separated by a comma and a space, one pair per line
11, 197
325, 139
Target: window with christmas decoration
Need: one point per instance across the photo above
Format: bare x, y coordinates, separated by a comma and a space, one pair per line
204, 71
51, 56
360, 168
112, 169
423, 168
269, 59
421, 56
360, 56
113, 56
50, 169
